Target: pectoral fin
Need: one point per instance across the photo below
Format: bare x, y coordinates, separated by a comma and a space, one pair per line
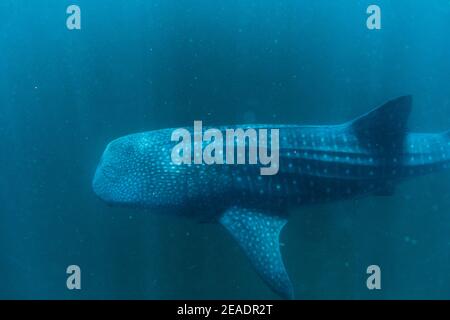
257, 232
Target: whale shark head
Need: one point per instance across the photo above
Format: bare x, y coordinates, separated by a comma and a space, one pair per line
136, 171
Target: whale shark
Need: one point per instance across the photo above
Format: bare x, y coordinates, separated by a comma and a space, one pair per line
366, 156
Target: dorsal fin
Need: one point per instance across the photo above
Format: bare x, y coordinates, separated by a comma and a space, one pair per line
385, 125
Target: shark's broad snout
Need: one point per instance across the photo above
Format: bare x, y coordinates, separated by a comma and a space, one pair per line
130, 173
112, 180
103, 178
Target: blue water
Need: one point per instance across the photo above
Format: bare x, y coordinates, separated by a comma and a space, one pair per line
144, 65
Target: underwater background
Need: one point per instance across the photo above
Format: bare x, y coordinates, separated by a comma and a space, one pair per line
144, 65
